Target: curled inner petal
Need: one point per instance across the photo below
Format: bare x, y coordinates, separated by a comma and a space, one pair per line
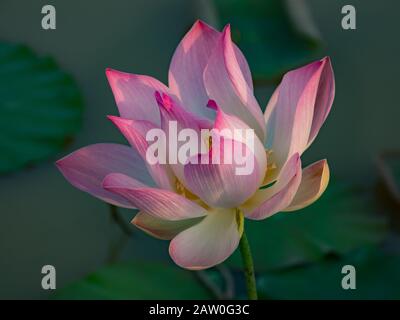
219, 179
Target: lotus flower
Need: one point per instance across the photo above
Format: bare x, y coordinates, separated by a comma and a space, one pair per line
201, 207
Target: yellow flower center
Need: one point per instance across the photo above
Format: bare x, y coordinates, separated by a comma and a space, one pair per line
180, 189
272, 169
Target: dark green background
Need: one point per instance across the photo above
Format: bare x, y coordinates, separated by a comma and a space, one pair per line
44, 220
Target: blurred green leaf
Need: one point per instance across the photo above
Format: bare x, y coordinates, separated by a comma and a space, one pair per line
343, 219
40, 106
267, 35
377, 277
137, 281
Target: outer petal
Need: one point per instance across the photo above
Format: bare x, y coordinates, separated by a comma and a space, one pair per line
135, 132
315, 179
86, 168
162, 229
324, 100
270, 119
134, 95
267, 202
208, 243
188, 64
160, 203
298, 109
226, 184
226, 84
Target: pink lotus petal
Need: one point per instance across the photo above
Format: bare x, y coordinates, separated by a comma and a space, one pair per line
188, 64
270, 119
208, 243
135, 132
173, 113
160, 203
226, 84
298, 109
86, 168
324, 100
315, 179
231, 123
219, 184
134, 95
162, 229
269, 201
170, 109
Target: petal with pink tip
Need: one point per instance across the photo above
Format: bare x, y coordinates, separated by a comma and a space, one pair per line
160, 203
219, 177
315, 179
160, 228
269, 201
135, 132
134, 95
324, 100
226, 84
174, 120
86, 168
208, 243
298, 109
170, 109
188, 64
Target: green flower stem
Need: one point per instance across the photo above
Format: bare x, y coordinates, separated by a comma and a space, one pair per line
248, 267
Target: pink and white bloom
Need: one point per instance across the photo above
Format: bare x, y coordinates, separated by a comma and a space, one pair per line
201, 207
